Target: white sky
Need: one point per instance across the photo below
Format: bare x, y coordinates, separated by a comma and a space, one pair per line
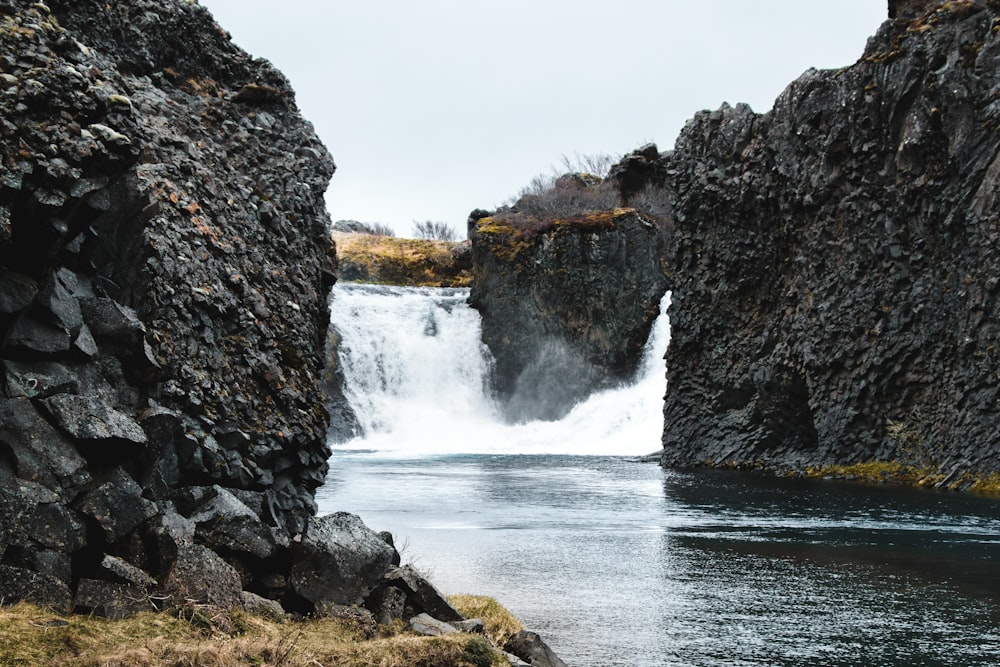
432, 108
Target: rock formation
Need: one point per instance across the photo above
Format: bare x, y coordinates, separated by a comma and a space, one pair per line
165, 265
836, 295
566, 303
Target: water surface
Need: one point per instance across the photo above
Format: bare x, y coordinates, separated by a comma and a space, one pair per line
619, 563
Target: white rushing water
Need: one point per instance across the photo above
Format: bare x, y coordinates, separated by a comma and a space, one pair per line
416, 374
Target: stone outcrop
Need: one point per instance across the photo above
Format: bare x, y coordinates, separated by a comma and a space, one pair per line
566, 304
165, 264
836, 297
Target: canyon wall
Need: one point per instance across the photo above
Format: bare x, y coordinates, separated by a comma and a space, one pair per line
835, 262
165, 265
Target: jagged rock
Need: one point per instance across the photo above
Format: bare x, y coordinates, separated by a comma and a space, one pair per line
255, 604
145, 255
21, 585
118, 506
40, 453
421, 595
225, 523
89, 417
387, 603
199, 575
530, 647
338, 561
567, 308
35, 516
427, 625
474, 625
127, 595
834, 261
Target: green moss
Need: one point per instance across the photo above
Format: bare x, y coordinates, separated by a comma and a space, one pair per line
880, 472
987, 485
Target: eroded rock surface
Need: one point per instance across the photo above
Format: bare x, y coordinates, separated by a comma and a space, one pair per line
165, 263
566, 307
835, 261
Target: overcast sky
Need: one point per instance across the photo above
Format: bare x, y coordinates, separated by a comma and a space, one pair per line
432, 108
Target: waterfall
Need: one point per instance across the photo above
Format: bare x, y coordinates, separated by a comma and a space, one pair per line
416, 374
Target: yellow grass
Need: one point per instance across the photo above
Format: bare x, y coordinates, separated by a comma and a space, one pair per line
395, 261
33, 636
498, 623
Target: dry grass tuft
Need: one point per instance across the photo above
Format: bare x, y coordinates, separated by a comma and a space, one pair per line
33, 636
499, 623
392, 261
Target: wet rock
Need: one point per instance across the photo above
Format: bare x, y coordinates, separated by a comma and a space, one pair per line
338, 561
567, 308
530, 647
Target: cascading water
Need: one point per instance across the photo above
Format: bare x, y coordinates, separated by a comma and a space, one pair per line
417, 375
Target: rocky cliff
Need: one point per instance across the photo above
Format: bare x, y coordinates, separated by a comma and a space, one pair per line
566, 303
836, 295
165, 265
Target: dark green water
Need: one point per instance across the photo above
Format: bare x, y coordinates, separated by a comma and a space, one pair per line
618, 563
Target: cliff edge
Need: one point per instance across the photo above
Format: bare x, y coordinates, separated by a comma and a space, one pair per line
165, 265
836, 297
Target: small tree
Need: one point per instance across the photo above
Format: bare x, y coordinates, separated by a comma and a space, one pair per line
433, 231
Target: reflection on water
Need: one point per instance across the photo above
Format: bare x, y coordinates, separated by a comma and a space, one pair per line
618, 563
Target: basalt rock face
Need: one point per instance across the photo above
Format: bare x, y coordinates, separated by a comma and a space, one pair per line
164, 270
567, 307
836, 294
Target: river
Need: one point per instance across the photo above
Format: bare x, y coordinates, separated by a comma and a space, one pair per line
621, 563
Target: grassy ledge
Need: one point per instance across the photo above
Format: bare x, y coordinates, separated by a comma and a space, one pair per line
202, 637
389, 260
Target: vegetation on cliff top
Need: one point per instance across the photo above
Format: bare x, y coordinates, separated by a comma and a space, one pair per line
203, 637
593, 193
388, 260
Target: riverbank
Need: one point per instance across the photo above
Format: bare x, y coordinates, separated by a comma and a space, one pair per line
210, 636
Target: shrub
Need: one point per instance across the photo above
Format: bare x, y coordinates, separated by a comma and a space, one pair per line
357, 227
433, 231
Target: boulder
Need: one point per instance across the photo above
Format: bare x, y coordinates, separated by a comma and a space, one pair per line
22, 585
424, 624
117, 506
421, 595
199, 575
530, 647
387, 604
338, 561
225, 523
